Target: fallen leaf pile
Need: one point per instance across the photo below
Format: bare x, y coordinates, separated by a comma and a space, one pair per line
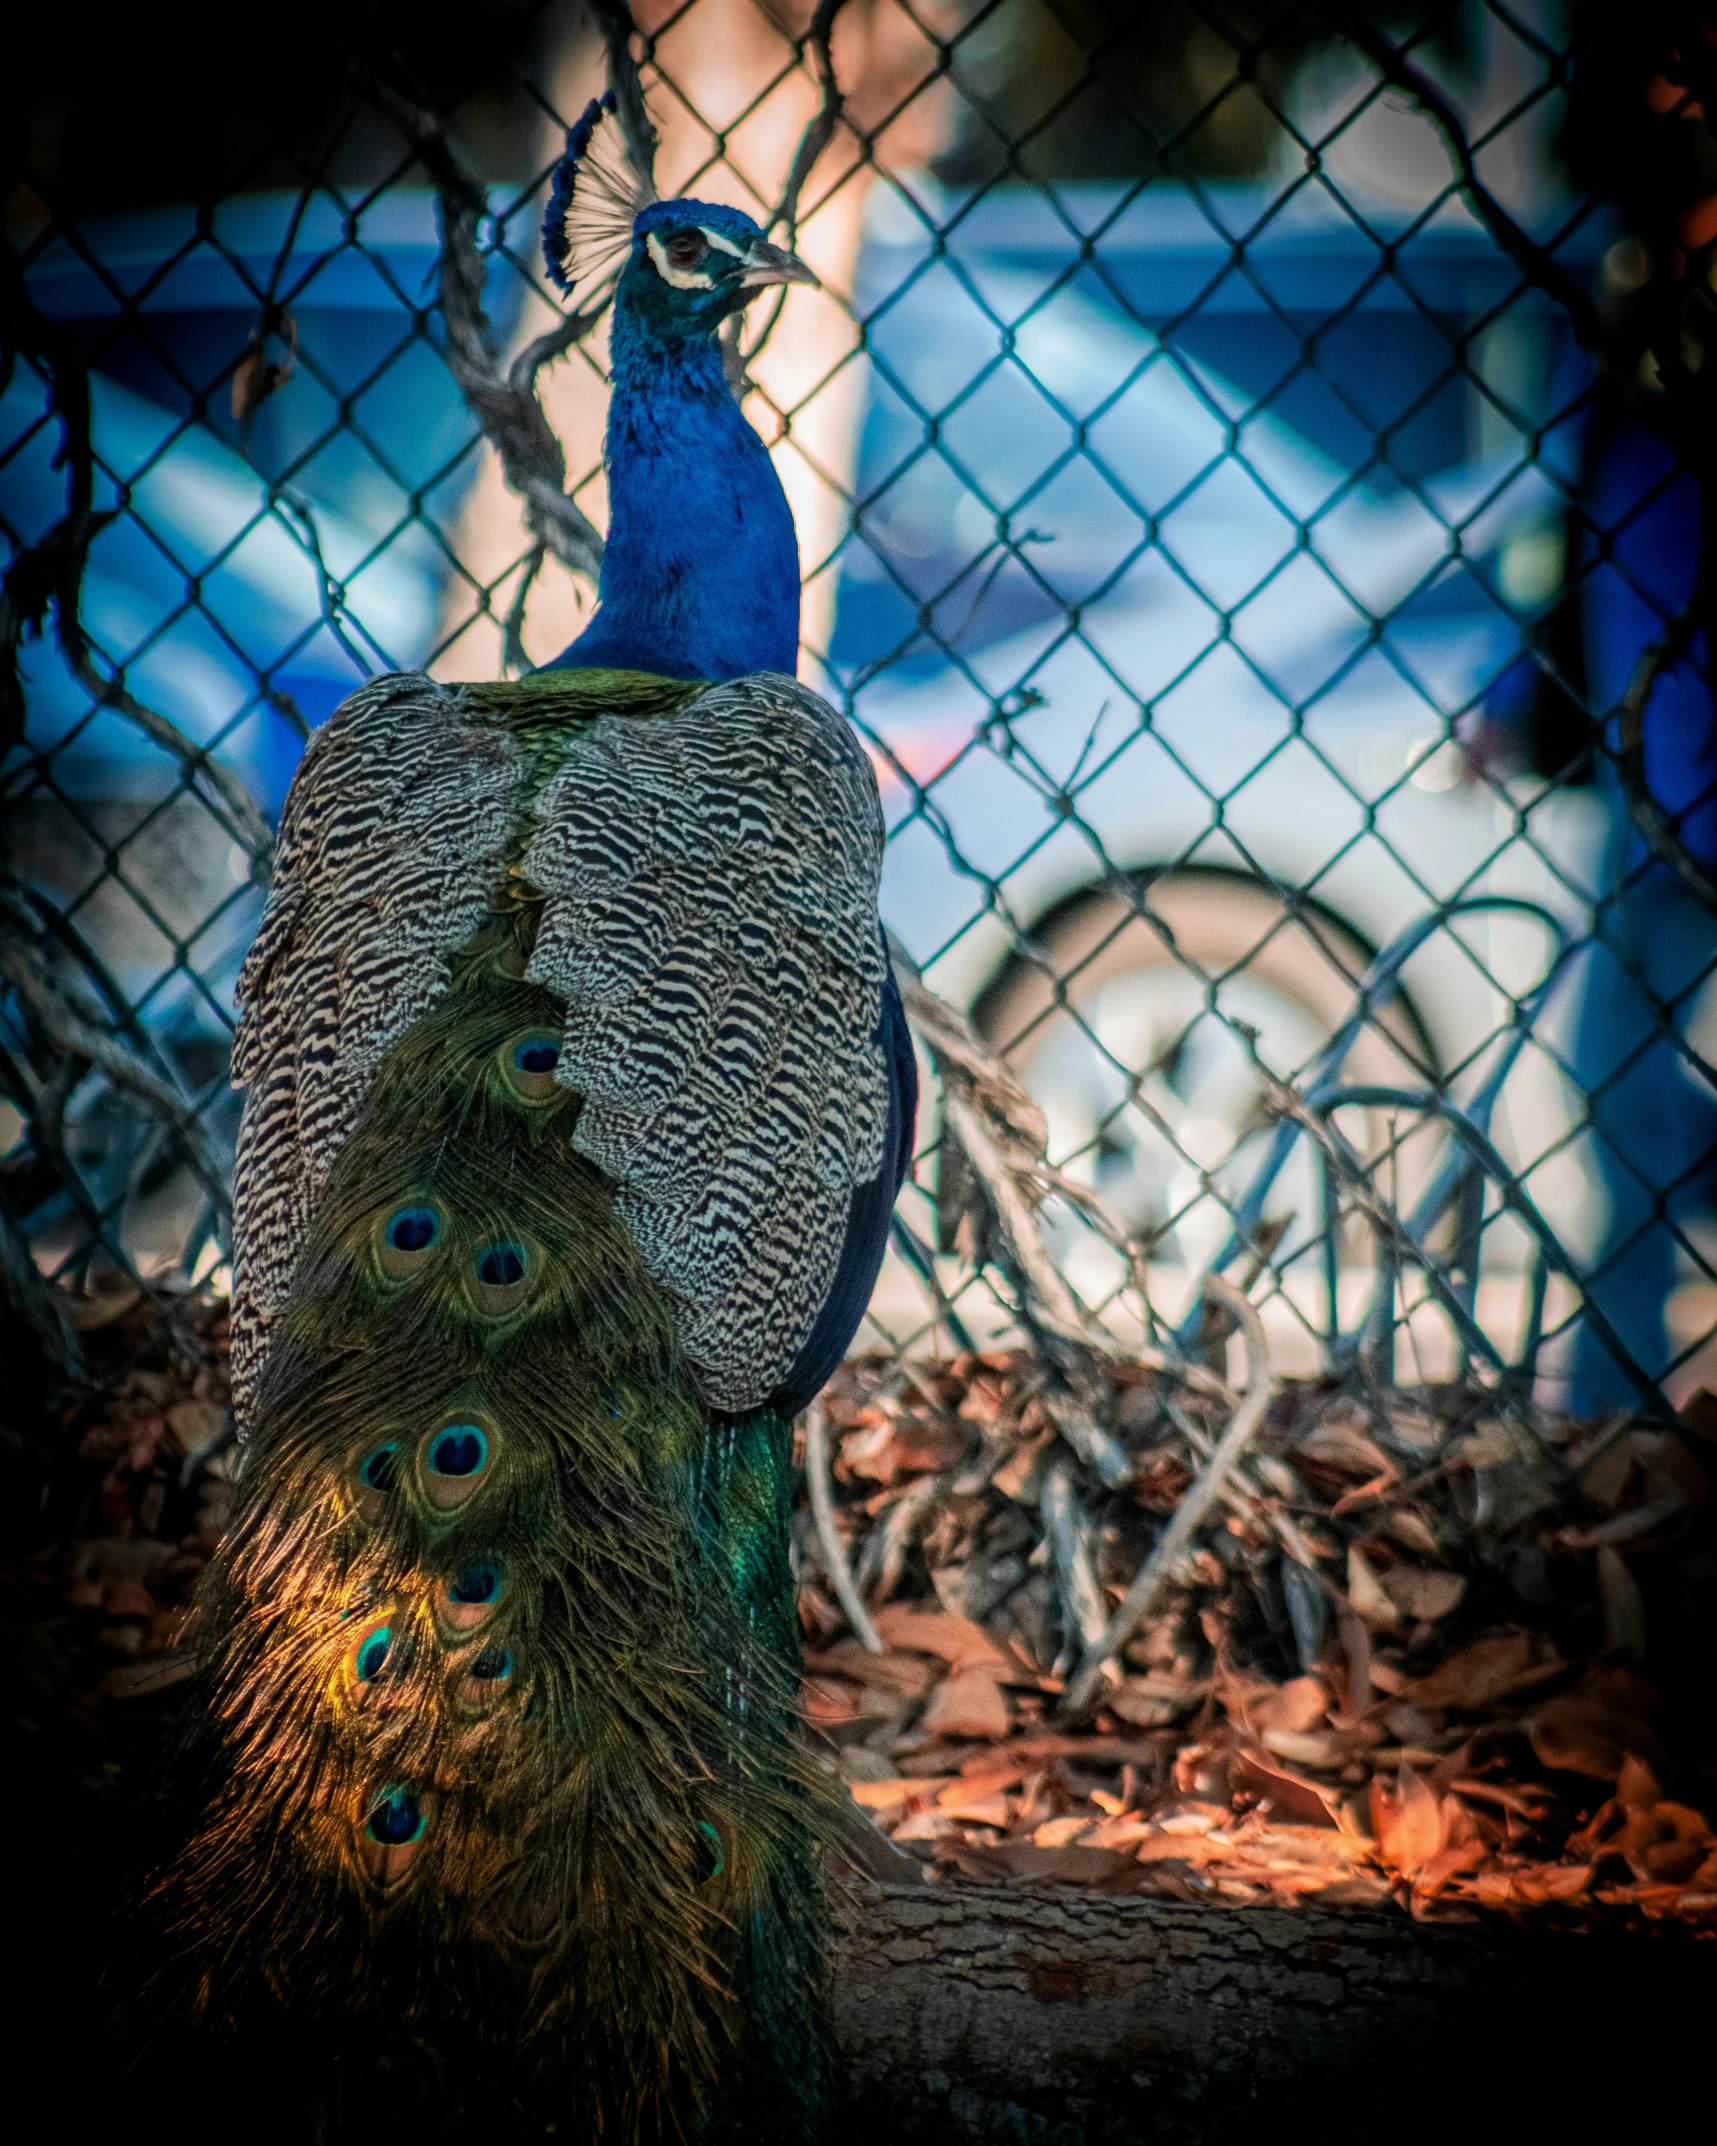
1428, 1653
1436, 1651
133, 1502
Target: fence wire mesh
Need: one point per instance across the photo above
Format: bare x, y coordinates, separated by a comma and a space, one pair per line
1249, 464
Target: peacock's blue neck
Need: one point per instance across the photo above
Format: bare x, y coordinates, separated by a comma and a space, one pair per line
701, 574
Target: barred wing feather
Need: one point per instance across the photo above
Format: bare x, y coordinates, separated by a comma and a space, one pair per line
709, 885
710, 918
393, 838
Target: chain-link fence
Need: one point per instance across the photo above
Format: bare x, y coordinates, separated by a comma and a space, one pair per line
1249, 463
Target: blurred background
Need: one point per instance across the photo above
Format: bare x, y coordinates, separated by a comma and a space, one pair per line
1250, 466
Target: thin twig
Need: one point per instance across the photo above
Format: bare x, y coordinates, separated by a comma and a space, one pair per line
820, 129
614, 18
1068, 1536
48, 575
1655, 826
1539, 268
828, 1537
333, 593
503, 400
1204, 1490
1001, 1133
38, 1304
513, 657
74, 1033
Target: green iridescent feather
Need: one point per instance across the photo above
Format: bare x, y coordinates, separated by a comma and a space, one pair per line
497, 1760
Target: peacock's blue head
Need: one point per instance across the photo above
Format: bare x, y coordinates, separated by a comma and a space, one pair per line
687, 265
692, 264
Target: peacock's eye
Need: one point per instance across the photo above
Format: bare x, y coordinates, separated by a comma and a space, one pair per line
379, 1468
372, 1653
503, 1276
393, 1826
395, 1818
529, 1062
487, 1674
687, 248
414, 1229
459, 1450
455, 1459
707, 1854
472, 1596
408, 1237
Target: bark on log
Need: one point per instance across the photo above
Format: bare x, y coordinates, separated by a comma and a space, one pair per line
1068, 2019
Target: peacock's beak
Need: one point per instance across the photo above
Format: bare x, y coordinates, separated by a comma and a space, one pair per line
765, 264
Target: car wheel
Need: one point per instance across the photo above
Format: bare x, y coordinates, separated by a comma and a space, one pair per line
1141, 1026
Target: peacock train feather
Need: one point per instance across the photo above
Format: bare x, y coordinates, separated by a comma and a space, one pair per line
577, 1096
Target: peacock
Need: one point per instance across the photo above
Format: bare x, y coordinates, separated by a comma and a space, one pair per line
577, 1097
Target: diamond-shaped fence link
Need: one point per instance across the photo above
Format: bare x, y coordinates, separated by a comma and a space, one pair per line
1249, 465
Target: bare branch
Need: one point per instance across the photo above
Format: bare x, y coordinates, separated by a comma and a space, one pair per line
828, 1535
820, 129
1001, 1133
1539, 268
614, 18
1201, 1494
49, 575
513, 657
75, 1032
35, 1302
1655, 826
503, 401
1068, 1533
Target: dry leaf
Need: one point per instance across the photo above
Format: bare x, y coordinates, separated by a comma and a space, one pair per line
902, 1445
1020, 1477
1488, 1670
1636, 1787
925, 1825
956, 1640
968, 1702
1409, 1821
1294, 1707
1413, 1532
1308, 1749
1624, 1606
1290, 1797
831, 1699
905, 1676
975, 1810
1365, 1592
1451, 1862
1596, 1728
114, 1297
127, 1598
198, 1426
1194, 1848
1337, 1444
883, 1795
1142, 1708
1062, 1832
1423, 1595
1025, 1860
1665, 1845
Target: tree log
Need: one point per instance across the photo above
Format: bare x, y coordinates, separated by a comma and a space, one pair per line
1060, 2018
